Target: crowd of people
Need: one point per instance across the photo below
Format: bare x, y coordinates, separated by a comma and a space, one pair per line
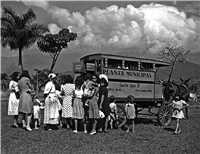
80, 105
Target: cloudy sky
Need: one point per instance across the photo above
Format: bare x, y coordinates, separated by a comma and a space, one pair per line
117, 26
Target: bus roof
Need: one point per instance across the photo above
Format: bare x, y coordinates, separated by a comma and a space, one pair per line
92, 57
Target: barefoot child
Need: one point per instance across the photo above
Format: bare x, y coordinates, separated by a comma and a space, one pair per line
36, 111
130, 114
113, 111
178, 105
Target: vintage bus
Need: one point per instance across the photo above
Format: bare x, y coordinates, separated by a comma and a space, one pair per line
127, 76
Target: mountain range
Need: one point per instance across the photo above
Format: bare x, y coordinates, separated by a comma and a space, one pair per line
65, 64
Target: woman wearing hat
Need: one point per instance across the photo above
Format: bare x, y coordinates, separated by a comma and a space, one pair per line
52, 104
103, 103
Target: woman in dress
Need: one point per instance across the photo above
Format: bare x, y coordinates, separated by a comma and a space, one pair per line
93, 106
52, 104
13, 102
67, 91
25, 101
78, 109
103, 103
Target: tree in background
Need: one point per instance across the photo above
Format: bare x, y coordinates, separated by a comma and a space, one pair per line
54, 43
40, 79
19, 32
4, 81
173, 55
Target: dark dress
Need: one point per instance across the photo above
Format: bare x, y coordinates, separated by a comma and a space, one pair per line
105, 105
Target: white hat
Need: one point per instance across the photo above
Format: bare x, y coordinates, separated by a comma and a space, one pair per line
51, 76
103, 76
101, 114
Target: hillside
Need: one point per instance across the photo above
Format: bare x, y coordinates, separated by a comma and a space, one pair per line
65, 63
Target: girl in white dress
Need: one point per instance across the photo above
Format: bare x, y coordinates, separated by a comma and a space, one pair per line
13, 102
52, 104
178, 105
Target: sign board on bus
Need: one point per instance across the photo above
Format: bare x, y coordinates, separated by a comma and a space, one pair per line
128, 74
138, 90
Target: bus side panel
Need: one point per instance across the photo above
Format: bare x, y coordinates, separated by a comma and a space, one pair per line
138, 90
158, 91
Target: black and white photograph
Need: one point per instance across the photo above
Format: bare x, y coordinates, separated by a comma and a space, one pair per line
100, 77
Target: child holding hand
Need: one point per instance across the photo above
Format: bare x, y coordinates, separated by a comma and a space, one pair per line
37, 105
178, 104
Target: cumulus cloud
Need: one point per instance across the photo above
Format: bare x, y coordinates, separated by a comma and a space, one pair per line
38, 3
149, 28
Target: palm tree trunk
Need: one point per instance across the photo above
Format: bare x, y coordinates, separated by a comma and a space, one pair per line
20, 66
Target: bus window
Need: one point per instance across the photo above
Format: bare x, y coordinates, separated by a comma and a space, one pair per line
114, 63
131, 65
147, 66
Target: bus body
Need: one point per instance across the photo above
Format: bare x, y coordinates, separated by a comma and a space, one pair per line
127, 76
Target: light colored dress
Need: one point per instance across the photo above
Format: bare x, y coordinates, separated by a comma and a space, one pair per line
178, 106
52, 104
113, 109
13, 102
36, 109
25, 101
78, 109
67, 90
93, 106
130, 111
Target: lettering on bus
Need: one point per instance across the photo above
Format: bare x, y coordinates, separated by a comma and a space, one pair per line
128, 74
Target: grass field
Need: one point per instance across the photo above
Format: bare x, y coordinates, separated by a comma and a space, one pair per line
149, 138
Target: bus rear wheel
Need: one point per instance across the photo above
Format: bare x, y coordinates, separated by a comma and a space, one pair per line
164, 115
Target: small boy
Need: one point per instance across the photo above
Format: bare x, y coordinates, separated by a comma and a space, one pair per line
36, 111
130, 114
113, 112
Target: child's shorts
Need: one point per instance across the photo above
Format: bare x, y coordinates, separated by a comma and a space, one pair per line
130, 121
36, 112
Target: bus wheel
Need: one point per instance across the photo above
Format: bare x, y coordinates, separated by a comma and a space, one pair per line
121, 114
164, 115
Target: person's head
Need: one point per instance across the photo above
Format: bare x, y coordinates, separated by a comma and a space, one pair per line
95, 78
52, 77
78, 82
103, 76
68, 79
15, 76
103, 82
25, 73
177, 97
88, 76
130, 99
112, 99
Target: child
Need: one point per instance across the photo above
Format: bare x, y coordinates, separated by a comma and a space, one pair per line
178, 105
36, 111
130, 114
113, 111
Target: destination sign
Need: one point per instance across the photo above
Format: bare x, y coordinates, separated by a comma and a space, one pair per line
138, 90
128, 74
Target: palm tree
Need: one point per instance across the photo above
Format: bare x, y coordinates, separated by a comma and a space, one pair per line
19, 32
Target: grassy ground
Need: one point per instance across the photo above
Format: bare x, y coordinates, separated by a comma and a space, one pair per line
149, 138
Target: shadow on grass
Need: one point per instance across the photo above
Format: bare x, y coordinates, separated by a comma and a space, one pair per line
146, 121
169, 129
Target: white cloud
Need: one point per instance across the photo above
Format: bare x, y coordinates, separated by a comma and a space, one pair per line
149, 28
38, 3
53, 28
